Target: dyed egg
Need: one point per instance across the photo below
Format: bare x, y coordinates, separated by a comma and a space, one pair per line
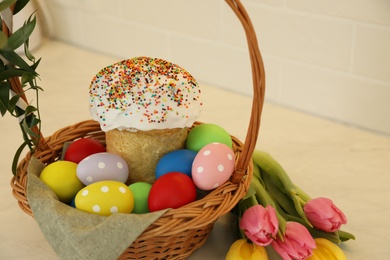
105, 198
176, 161
61, 178
81, 148
141, 193
204, 134
101, 167
72, 203
171, 190
213, 165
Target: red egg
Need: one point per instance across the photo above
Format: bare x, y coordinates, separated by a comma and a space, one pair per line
171, 190
82, 148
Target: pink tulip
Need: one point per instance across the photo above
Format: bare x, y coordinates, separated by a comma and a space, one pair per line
297, 242
324, 215
260, 224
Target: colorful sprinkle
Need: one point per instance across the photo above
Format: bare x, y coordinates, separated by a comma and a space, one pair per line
141, 83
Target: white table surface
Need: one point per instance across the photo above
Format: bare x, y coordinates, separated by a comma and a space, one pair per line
351, 166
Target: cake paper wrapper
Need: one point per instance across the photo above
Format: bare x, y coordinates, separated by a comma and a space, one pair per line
74, 234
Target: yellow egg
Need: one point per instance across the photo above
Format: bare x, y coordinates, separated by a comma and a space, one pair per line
105, 198
61, 177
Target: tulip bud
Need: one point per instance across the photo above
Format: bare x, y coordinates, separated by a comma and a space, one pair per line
242, 250
326, 250
260, 224
324, 215
297, 242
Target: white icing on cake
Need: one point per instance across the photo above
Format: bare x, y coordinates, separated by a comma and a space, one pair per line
144, 93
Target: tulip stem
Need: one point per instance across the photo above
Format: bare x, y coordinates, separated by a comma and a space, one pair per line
268, 165
241, 207
298, 206
303, 195
279, 196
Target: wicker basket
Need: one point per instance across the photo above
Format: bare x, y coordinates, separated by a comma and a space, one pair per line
177, 233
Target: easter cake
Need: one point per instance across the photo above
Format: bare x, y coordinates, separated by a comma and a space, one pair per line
145, 106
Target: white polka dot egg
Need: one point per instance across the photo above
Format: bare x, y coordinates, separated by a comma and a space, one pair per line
213, 166
105, 198
101, 167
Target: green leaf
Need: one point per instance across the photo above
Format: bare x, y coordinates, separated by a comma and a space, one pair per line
3, 40
30, 109
12, 104
6, 3
4, 97
27, 51
37, 87
19, 5
20, 36
17, 156
279, 196
18, 61
10, 73
29, 122
2, 66
26, 77
251, 192
27, 129
35, 65
345, 236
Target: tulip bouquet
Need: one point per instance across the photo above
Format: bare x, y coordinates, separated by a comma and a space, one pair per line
275, 212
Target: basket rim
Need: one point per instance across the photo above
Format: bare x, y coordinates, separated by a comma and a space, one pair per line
195, 214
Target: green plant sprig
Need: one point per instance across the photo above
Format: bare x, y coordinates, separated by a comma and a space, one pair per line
17, 76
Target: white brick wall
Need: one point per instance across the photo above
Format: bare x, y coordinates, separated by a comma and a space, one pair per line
329, 58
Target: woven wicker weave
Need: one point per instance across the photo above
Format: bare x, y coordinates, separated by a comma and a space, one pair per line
180, 231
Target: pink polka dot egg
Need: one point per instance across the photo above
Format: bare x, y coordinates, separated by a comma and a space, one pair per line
105, 198
213, 165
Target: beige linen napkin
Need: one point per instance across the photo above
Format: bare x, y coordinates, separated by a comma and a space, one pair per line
74, 234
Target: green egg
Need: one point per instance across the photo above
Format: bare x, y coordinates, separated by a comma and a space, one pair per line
141, 193
204, 134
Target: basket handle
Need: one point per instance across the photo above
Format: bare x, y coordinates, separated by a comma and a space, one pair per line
258, 80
